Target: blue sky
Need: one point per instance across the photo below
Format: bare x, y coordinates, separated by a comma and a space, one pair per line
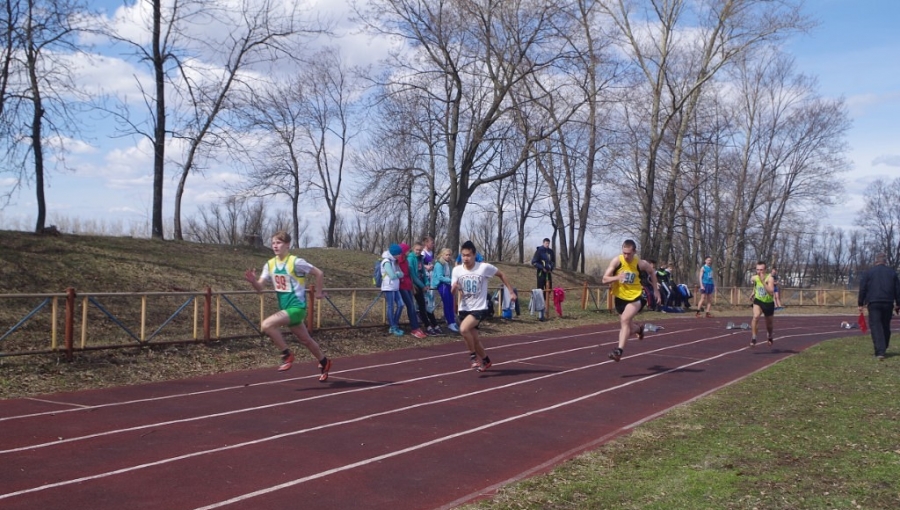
853, 52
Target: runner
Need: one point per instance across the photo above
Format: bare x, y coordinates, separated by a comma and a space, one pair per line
707, 287
622, 273
471, 278
288, 274
763, 301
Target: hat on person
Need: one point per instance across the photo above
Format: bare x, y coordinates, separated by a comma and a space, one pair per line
395, 249
404, 248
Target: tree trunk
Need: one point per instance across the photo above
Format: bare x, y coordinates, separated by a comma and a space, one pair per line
159, 132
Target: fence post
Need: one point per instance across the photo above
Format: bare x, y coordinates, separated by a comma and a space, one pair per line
70, 322
310, 306
584, 294
207, 313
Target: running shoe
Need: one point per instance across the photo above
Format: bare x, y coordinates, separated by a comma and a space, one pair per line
438, 331
752, 342
615, 355
397, 331
483, 366
430, 331
708, 315
453, 327
324, 370
640, 332
473, 362
770, 340
698, 314
418, 333
286, 362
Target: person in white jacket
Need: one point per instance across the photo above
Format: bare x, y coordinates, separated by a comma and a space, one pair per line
390, 287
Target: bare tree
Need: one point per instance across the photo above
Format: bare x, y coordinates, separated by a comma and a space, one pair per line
253, 37
465, 57
332, 121
880, 218
167, 24
38, 97
677, 65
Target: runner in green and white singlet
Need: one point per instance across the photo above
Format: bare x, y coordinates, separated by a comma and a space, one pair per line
763, 302
288, 276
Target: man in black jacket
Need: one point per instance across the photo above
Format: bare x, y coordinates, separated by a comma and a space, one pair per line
879, 288
543, 261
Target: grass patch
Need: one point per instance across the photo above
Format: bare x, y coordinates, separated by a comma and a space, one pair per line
818, 430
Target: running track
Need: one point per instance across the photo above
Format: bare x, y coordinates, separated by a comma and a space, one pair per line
410, 429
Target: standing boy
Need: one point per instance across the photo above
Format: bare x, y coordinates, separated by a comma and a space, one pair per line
471, 279
623, 273
707, 286
543, 262
288, 275
763, 302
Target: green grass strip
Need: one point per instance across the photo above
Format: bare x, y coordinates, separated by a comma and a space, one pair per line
820, 430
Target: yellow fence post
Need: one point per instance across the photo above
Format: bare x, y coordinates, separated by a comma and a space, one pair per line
143, 318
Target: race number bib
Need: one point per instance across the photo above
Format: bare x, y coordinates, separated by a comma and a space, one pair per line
281, 283
629, 277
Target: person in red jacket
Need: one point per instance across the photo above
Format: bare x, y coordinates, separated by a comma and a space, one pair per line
406, 292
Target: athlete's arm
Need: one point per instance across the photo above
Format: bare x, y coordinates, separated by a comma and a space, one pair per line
512, 293
610, 275
320, 281
250, 276
653, 281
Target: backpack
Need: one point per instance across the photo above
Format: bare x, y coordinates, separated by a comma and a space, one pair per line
376, 274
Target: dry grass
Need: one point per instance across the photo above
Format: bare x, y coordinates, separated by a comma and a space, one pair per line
38, 264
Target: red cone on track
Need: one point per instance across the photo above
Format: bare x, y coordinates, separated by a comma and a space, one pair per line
862, 323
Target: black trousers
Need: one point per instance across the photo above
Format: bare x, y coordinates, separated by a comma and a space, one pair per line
543, 278
880, 325
428, 318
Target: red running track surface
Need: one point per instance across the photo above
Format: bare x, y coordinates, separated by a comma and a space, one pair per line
409, 429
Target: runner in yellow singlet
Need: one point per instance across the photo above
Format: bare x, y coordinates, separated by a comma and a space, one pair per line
288, 274
623, 273
763, 301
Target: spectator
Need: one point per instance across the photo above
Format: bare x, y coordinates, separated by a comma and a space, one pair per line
543, 262
420, 286
406, 292
440, 278
390, 287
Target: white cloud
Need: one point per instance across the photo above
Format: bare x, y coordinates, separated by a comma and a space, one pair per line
887, 159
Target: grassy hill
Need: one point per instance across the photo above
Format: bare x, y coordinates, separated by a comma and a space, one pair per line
48, 264
32, 264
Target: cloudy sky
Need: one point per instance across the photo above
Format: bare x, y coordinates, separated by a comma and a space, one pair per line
853, 52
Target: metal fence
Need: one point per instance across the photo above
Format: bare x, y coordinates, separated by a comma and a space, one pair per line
75, 321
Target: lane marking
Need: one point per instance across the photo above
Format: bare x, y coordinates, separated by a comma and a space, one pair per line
375, 415
396, 411
331, 395
280, 381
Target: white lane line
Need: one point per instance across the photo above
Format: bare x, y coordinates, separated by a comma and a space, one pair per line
269, 406
155, 425
282, 381
56, 402
439, 440
389, 412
